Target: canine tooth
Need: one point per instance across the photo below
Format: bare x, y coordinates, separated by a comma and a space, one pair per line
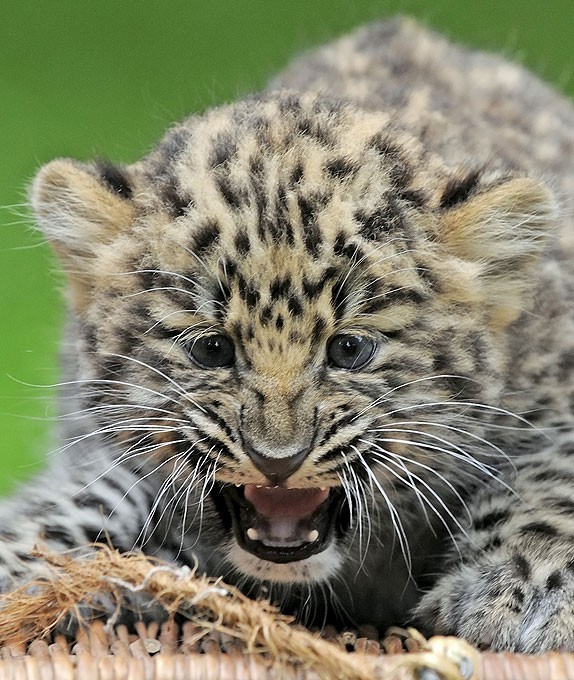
323, 488
313, 536
253, 534
238, 486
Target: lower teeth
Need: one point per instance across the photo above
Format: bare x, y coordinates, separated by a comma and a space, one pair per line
253, 535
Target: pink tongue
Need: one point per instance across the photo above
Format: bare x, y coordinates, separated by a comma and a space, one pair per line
274, 502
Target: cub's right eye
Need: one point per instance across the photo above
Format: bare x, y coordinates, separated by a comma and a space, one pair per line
350, 351
211, 351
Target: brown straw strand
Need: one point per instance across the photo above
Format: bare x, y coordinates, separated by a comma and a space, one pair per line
210, 604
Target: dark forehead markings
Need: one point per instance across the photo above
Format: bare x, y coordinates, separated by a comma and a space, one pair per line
205, 236
414, 197
234, 196
296, 336
340, 168
339, 296
267, 225
339, 243
311, 233
459, 189
319, 325
248, 293
258, 187
241, 242
249, 332
282, 215
312, 289
265, 315
276, 219
297, 173
294, 305
175, 204
388, 217
351, 251
228, 269
256, 167
280, 287
161, 173
400, 171
394, 297
220, 294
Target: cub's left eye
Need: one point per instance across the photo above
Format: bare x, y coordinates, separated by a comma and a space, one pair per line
211, 351
350, 351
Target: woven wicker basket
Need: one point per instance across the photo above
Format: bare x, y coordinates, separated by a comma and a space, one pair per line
172, 653
226, 636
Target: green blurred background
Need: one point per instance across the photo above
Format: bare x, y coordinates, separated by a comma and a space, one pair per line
106, 78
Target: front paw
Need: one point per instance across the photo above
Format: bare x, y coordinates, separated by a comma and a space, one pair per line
518, 598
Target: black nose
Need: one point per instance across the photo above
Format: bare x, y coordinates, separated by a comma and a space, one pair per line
276, 470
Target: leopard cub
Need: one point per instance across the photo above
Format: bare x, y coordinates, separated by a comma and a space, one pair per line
321, 343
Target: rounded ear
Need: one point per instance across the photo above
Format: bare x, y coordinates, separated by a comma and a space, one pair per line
79, 208
503, 228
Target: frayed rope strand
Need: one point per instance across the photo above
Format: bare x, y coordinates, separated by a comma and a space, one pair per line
34, 610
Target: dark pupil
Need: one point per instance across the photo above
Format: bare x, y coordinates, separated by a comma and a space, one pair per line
212, 351
350, 351
212, 345
349, 347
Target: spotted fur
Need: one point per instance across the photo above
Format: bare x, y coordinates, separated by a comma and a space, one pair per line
389, 186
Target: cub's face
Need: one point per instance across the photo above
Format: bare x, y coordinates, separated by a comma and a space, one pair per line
291, 321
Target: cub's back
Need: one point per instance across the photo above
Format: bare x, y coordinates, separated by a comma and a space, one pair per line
468, 107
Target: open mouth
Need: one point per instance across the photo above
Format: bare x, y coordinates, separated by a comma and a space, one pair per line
283, 525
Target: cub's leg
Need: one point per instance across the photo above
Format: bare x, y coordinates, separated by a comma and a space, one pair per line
68, 506
510, 583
